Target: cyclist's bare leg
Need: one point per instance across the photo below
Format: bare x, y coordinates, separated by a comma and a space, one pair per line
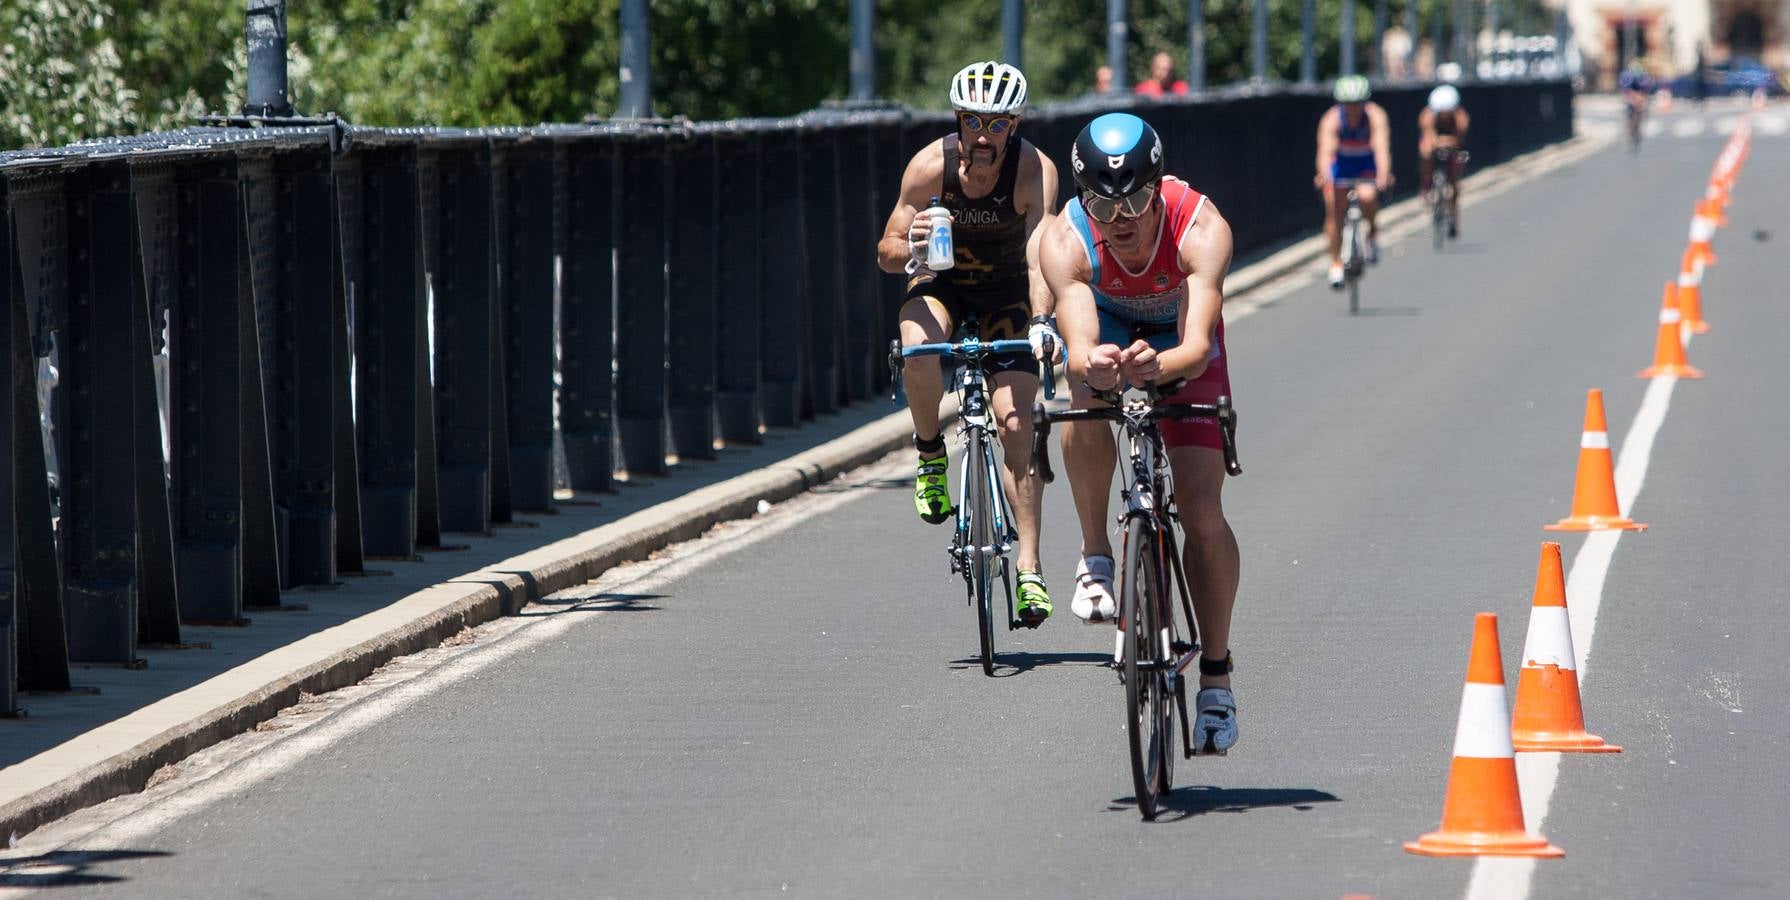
924, 321
1336, 207
1090, 454
1210, 552
1426, 164
1370, 206
1013, 396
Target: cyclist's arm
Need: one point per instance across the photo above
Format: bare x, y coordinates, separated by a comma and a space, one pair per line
1206, 256
1461, 121
1064, 265
1039, 198
1426, 127
1380, 134
1327, 137
923, 179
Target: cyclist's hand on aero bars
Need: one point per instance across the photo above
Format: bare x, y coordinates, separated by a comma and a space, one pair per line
1140, 364
1047, 344
1103, 367
1383, 181
1320, 181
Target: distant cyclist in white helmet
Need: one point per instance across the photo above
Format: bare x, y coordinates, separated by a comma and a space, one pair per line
998, 189
1442, 131
1354, 150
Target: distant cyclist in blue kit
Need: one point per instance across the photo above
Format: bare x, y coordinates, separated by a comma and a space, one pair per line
1354, 150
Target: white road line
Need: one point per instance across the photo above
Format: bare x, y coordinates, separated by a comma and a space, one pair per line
1653, 128
234, 768
1539, 773
1690, 127
1773, 125
1726, 124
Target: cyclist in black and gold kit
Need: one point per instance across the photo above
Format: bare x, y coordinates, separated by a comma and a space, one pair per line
998, 189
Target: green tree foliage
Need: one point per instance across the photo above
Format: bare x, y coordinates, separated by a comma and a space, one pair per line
59, 73
85, 68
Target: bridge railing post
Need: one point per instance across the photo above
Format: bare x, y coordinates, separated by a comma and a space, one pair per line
151, 264
583, 232
783, 353
380, 246
454, 176
642, 192
740, 250
527, 300
97, 422
694, 293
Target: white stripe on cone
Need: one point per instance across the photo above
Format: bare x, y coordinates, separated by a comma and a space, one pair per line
1594, 440
1690, 279
1701, 229
1550, 639
1483, 731
1667, 316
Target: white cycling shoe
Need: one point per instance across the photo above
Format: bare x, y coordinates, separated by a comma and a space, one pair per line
1215, 728
1093, 601
1335, 276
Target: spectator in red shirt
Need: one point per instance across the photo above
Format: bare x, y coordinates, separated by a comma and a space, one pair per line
1162, 78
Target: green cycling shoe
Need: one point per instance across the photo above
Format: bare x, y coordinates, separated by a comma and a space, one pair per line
1034, 600
932, 492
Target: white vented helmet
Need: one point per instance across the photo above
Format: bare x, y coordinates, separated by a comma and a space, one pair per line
988, 87
1445, 98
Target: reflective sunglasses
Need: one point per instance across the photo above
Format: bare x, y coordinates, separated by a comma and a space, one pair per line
995, 124
1106, 211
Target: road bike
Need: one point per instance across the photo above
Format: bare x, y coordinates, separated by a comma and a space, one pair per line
1442, 193
1354, 250
985, 531
1152, 648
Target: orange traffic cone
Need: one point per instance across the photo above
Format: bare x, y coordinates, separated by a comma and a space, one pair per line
1482, 814
1594, 489
1548, 713
1668, 350
1690, 300
1702, 229
1717, 209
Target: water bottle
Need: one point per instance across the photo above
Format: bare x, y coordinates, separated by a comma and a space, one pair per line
940, 254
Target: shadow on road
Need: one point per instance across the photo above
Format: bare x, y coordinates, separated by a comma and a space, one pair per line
66, 868
1197, 800
869, 484
609, 601
1371, 311
1006, 665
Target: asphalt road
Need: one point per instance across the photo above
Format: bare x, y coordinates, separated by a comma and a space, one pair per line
803, 715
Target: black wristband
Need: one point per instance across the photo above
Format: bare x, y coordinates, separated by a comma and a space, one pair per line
1214, 668
1041, 320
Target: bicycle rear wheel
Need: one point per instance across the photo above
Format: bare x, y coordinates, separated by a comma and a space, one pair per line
1439, 212
1149, 708
981, 559
1352, 264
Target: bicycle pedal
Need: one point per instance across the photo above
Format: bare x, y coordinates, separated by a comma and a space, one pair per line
1180, 647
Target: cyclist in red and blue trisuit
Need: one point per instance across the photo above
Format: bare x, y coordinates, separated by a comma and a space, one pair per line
1354, 150
1136, 263
998, 190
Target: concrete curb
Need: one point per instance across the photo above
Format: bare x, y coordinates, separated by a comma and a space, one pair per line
83, 772
88, 770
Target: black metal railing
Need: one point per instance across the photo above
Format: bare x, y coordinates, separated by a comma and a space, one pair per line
358, 339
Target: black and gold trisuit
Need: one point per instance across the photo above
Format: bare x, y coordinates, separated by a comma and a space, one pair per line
990, 278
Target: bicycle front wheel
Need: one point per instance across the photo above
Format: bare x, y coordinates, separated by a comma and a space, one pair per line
1149, 708
981, 558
